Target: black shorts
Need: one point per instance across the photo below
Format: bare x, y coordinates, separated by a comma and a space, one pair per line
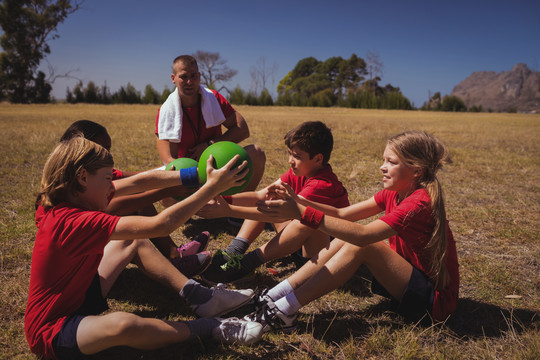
417, 301
65, 342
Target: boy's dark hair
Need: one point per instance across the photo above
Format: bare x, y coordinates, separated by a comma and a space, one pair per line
187, 60
313, 137
90, 130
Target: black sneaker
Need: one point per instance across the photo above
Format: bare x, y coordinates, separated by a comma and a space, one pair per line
225, 268
272, 318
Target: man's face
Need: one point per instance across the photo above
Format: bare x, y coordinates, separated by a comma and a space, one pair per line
186, 79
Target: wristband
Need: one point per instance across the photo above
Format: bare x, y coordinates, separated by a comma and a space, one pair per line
312, 217
189, 177
227, 198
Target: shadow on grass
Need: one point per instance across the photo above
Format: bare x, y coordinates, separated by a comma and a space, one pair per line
474, 319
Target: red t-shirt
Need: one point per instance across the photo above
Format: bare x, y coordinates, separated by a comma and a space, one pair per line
67, 252
413, 221
324, 187
194, 130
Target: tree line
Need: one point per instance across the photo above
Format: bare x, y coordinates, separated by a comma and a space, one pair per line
29, 25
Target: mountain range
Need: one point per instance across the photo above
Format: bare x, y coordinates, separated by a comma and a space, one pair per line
506, 91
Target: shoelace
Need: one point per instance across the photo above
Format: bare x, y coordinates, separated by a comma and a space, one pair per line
233, 262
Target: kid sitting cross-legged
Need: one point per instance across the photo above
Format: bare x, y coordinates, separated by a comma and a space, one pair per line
80, 251
311, 177
418, 270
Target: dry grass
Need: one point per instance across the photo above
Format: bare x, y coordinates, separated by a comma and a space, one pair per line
493, 204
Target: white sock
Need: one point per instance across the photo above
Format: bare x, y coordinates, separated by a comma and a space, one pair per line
280, 290
288, 305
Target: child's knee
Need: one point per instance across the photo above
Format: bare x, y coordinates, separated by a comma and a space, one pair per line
122, 323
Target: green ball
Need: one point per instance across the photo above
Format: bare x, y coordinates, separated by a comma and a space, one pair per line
181, 163
223, 151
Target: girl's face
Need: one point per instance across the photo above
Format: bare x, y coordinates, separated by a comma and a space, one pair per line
98, 188
397, 176
301, 164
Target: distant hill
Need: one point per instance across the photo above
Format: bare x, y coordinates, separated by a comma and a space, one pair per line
514, 90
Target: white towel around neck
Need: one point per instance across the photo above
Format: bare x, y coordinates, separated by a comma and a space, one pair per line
170, 114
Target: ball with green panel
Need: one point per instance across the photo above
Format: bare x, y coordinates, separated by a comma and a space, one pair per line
223, 151
181, 163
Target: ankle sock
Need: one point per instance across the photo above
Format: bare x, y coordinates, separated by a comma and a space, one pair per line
238, 246
195, 293
280, 290
288, 305
202, 327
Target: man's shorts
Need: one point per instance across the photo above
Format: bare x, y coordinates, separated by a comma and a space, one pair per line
417, 301
65, 342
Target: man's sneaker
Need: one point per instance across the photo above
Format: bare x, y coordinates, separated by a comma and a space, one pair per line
272, 318
225, 268
237, 331
223, 301
195, 246
191, 265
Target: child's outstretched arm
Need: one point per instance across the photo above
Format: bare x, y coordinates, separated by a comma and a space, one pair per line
218, 180
242, 205
346, 230
355, 212
147, 180
129, 204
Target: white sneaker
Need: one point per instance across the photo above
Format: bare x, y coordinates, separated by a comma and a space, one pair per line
271, 318
235, 330
223, 301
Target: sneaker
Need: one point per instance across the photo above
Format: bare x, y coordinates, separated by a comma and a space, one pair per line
255, 304
225, 268
237, 331
272, 318
192, 265
195, 246
223, 301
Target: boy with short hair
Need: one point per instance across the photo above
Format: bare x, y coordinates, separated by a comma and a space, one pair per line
310, 175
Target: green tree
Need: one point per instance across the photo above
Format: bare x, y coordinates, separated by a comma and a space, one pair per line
316, 83
151, 96
91, 93
165, 94
28, 26
453, 103
237, 96
265, 99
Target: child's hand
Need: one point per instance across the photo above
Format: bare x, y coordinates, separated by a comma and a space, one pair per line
226, 177
284, 209
280, 190
216, 208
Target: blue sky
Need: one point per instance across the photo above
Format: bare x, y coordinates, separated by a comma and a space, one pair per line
425, 46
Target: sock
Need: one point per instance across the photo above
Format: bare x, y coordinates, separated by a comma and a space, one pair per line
280, 290
288, 305
238, 246
202, 327
252, 260
195, 293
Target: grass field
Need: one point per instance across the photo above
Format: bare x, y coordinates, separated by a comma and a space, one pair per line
493, 204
